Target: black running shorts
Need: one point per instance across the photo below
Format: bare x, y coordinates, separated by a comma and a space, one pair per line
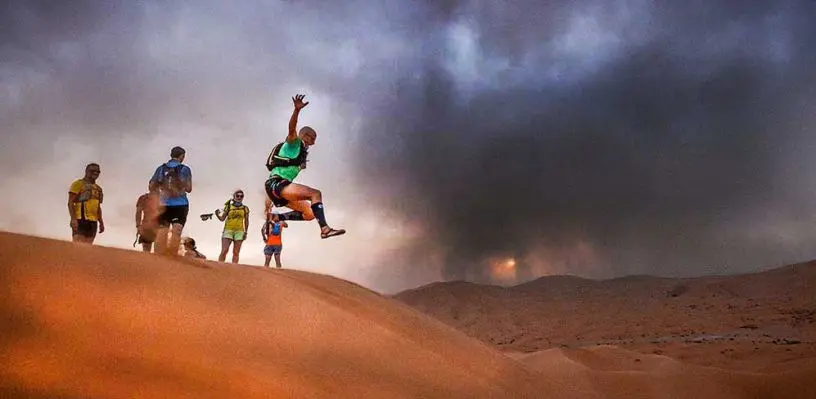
274, 185
86, 228
176, 214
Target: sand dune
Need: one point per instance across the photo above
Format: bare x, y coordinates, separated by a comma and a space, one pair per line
722, 336
93, 322
81, 322
620, 373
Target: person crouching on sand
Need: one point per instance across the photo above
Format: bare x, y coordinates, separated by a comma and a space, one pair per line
190, 249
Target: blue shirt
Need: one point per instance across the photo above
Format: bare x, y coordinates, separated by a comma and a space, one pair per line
184, 173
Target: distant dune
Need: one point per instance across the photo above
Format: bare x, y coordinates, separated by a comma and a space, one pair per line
753, 322
94, 322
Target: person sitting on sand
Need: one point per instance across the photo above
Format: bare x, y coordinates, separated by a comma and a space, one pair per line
190, 249
272, 233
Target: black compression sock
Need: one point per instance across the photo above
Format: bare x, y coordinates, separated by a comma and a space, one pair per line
317, 208
292, 215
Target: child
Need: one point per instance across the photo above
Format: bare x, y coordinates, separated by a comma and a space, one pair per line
272, 232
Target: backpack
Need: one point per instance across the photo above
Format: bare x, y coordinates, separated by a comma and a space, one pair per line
276, 228
274, 160
170, 179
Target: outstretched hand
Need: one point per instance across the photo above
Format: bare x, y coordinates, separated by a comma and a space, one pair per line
298, 101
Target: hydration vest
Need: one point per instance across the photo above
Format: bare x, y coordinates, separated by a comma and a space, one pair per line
170, 180
274, 160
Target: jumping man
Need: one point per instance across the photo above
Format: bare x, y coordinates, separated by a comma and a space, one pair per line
285, 163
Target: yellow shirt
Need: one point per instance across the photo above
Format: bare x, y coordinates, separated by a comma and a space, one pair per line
235, 217
89, 197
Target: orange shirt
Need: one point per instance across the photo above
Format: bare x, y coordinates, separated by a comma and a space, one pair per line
272, 239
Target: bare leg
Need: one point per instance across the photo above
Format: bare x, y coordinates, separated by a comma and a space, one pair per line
80, 239
268, 259
225, 244
298, 192
277, 260
303, 207
147, 247
161, 239
77, 237
174, 242
236, 250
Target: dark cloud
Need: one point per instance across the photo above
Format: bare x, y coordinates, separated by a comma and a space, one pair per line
655, 155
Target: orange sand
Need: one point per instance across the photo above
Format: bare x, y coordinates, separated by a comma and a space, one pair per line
80, 322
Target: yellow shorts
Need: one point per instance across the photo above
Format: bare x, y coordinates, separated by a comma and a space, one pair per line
234, 235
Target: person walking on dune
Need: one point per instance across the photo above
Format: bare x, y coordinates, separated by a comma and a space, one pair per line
236, 215
284, 163
85, 206
172, 181
147, 208
272, 233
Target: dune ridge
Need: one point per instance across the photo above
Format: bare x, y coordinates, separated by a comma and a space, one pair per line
95, 322
98, 322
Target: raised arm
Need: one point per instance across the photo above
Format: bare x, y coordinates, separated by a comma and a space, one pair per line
297, 100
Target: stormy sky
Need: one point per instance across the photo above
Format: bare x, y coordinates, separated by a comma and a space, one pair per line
595, 138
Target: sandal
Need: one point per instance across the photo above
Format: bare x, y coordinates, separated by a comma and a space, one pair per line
330, 232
